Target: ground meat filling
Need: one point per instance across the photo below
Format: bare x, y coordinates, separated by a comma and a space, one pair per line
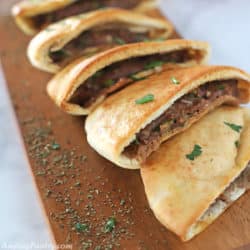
149, 138
241, 182
120, 74
79, 7
92, 41
240, 185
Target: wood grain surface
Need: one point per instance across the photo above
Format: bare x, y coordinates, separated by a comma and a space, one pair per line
79, 190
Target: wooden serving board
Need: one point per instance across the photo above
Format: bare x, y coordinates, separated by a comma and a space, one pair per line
79, 189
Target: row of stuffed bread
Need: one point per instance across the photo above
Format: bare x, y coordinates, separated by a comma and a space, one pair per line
151, 105
170, 122
185, 131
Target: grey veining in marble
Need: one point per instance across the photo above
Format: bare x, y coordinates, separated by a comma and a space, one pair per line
224, 24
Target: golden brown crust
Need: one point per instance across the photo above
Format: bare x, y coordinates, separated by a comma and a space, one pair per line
26, 9
113, 125
57, 35
179, 191
63, 85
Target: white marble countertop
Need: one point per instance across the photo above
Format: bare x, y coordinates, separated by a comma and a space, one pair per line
224, 24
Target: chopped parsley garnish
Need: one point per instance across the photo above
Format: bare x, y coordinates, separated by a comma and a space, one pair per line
234, 127
55, 146
136, 78
174, 80
153, 64
145, 99
192, 96
160, 39
110, 225
197, 151
81, 227
137, 141
220, 87
97, 74
109, 82
119, 40
237, 144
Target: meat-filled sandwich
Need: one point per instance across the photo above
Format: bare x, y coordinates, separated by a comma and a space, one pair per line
33, 15
195, 176
84, 84
91, 33
128, 126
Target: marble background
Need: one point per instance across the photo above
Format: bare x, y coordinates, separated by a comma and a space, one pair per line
225, 24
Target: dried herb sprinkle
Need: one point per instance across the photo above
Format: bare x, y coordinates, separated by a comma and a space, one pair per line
110, 225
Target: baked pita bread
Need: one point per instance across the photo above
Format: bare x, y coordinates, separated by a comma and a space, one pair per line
87, 34
188, 195
128, 126
84, 84
32, 16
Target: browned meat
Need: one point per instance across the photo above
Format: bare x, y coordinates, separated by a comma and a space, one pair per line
97, 85
242, 182
240, 185
96, 38
235, 189
126, 4
82, 6
108, 36
141, 151
177, 116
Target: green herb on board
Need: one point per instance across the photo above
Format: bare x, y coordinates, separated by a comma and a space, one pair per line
82, 227
110, 225
55, 146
